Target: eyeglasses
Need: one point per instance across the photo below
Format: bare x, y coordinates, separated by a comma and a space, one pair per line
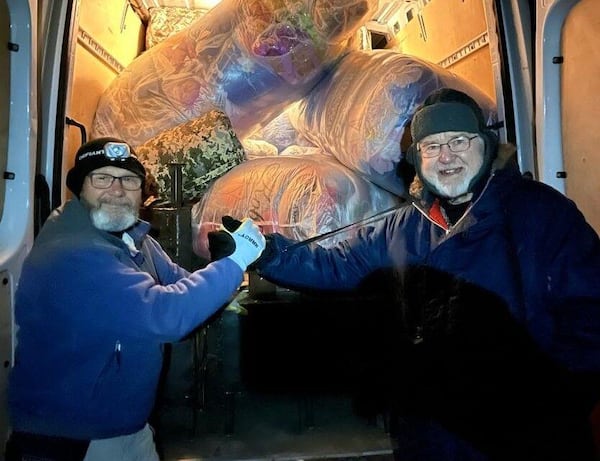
104, 181
458, 144
117, 150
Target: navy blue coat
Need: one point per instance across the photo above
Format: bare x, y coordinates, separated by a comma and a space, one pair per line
521, 240
501, 311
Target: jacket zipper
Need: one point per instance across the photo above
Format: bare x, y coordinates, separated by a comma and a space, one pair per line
118, 354
418, 333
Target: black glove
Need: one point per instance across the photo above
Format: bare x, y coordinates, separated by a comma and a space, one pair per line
220, 243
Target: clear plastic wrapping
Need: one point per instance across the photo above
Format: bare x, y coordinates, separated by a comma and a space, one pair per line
298, 196
249, 58
360, 111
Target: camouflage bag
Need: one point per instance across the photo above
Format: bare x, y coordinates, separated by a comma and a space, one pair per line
207, 147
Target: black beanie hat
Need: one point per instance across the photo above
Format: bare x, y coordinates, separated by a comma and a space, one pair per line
444, 110
447, 109
441, 117
102, 152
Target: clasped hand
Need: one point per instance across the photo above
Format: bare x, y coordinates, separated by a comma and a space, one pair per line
241, 241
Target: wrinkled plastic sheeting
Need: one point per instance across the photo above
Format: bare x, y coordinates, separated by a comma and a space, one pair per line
258, 148
280, 132
297, 196
359, 112
248, 58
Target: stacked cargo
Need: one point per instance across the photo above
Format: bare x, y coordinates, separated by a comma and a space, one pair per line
321, 119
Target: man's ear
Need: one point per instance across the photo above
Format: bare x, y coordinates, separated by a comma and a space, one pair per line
411, 154
405, 169
491, 142
408, 146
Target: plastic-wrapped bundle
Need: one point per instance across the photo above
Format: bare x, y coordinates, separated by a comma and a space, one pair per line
206, 148
280, 132
249, 58
360, 111
298, 196
259, 148
165, 21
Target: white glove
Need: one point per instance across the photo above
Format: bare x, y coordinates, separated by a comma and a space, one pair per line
249, 243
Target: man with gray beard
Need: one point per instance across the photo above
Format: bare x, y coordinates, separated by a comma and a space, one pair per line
97, 299
492, 283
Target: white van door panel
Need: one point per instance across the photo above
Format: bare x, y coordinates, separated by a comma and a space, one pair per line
580, 107
567, 100
551, 15
18, 67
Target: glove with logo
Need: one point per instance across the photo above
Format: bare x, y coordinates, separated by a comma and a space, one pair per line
241, 241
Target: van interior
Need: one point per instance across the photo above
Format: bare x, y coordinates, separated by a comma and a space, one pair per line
295, 113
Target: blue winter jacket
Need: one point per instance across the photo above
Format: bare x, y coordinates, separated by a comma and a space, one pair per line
92, 316
521, 240
492, 347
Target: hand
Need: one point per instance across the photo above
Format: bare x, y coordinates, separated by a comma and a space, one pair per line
248, 242
221, 243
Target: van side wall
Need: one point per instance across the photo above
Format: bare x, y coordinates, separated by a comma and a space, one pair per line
580, 88
453, 34
102, 50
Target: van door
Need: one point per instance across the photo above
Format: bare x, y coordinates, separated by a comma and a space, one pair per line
570, 107
18, 116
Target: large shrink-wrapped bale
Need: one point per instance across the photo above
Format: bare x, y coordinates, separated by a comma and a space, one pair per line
280, 132
298, 196
360, 112
249, 58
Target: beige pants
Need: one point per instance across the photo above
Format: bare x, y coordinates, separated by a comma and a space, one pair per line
133, 447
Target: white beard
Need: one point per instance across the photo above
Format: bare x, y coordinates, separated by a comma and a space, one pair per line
453, 186
114, 220
451, 191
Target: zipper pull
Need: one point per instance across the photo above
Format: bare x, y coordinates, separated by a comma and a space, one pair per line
418, 337
118, 352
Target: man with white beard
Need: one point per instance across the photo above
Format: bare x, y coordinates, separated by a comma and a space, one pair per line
492, 283
97, 299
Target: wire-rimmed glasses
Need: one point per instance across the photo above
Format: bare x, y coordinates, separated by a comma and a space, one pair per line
104, 181
458, 144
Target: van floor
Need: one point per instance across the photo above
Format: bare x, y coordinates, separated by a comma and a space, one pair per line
271, 427
270, 381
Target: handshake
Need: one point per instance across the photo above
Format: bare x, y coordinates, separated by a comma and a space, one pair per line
241, 241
